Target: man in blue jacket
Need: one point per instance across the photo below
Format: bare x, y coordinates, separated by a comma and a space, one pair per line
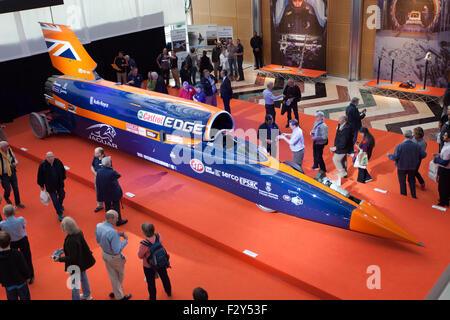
407, 156
108, 188
226, 92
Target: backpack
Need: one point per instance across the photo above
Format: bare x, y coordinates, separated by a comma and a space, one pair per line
158, 257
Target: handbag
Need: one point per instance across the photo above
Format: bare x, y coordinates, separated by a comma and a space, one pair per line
433, 170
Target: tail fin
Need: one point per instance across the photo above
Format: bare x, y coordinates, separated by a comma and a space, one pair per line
66, 51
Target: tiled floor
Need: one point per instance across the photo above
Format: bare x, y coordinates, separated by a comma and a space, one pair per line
333, 94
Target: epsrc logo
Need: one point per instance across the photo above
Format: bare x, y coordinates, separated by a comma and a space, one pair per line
197, 166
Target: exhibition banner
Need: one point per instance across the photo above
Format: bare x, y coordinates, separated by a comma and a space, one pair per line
178, 37
299, 33
411, 31
224, 34
202, 36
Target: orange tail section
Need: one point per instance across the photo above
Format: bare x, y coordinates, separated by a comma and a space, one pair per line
66, 52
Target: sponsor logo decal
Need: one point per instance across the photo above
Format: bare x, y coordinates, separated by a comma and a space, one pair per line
71, 108
132, 128
83, 71
151, 117
286, 197
152, 134
297, 201
248, 183
268, 194
268, 186
142, 131
60, 104
169, 122
56, 89
197, 166
97, 102
103, 133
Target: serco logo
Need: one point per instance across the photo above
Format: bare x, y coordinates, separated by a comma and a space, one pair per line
197, 166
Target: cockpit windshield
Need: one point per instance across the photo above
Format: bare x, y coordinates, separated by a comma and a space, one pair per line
242, 148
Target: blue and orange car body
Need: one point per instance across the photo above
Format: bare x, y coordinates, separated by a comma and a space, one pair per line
164, 129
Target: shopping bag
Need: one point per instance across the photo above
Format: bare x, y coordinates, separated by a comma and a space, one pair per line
433, 170
363, 159
45, 197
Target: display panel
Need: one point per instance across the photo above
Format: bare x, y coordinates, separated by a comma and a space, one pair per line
409, 31
299, 33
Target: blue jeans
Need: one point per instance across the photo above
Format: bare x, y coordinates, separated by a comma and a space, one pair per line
57, 199
233, 66
84, 286
21, 292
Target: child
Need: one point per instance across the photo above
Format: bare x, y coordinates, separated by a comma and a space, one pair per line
14, 271
187, 92
200, 95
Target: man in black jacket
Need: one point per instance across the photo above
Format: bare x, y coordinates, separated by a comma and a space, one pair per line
51, 176
267, 132
215, 57
209, 86
342, 145
14, 271
257, 44
354, 118
226, 92
108, 188
8, 176
292, 96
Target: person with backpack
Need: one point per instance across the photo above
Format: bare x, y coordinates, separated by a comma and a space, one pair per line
155, 260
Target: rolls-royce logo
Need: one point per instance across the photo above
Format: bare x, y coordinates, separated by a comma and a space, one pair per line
103, 133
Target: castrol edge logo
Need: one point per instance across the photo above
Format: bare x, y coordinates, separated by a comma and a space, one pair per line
151, 117
169, 122
197, 166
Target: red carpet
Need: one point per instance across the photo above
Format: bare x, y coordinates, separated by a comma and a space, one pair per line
319, 260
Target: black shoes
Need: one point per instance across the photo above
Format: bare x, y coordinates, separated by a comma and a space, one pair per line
98, 209
21, 206
31, 280
121, 222
126, 297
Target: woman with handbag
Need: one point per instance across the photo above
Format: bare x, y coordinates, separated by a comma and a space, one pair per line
365, 152
77, 254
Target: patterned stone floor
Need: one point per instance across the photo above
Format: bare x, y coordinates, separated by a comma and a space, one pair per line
333, 95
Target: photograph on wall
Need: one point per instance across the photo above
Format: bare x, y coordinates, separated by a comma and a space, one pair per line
178, 37
224, 34
411, 29
198, 35
299, 33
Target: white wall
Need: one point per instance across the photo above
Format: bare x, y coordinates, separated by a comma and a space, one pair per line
21, 36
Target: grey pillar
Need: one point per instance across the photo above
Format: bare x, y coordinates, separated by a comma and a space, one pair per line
256, 16
356, 24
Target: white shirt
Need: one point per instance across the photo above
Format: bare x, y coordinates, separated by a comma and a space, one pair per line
296, 142
223, 61
445, 154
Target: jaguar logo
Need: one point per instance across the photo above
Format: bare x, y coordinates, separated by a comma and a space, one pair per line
103, 133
